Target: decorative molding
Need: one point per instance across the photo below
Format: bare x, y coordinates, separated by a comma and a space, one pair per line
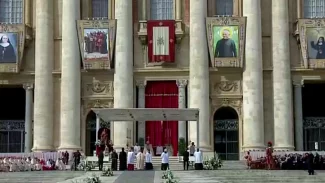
235, 103
314, 122
99, 88
99, 103
12, 125
141, 83
227, 87
298, 83
228, 124
227, 23
181, 83
28, 86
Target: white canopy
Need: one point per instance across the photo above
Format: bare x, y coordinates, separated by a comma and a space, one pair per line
147, 114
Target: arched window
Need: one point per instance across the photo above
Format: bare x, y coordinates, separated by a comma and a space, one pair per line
314, 8
224, 7
11, 11
161, 9
100, 8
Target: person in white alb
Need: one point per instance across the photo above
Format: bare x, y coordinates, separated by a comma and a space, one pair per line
137, 148
198, 160
131, 159
164, 160
148, 160
140, 160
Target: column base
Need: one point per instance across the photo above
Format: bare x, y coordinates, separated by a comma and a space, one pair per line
43, 149
254, 148
69, 148
284, 148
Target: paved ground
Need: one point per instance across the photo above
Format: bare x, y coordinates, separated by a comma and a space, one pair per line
218, 176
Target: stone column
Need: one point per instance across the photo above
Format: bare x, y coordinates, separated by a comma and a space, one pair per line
178, 14
123, 77
141, 104
44, 56
299, 128
282, 87
253, 130
182, 105
97, 126
143, 9
28, 117
199, 73
70, 78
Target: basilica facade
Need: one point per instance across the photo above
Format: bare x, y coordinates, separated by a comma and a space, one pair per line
254, 69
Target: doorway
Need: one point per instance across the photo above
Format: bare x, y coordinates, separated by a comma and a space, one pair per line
12, 119
314, 116
226, 136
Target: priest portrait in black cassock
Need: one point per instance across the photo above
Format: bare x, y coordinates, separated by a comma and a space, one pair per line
122, 158
114, 160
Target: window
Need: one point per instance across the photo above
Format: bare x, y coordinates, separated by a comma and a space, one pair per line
100, 8
161, 9
224, 7
314, 8
11, 11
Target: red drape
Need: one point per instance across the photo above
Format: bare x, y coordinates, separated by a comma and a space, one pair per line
162, 94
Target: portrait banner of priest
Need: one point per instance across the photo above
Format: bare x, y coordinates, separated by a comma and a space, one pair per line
226, 41
97, 41
11, 47
312, 41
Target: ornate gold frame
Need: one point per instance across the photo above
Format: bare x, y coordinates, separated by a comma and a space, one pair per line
238, 61
18, 29
303, 25
97, 24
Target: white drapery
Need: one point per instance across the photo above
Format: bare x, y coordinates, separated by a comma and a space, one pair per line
161, 9
11, 11
314, 8
160, 40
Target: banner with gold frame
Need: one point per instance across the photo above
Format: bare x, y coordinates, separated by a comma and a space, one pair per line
12, 42
312, 42
97, 43
226, 41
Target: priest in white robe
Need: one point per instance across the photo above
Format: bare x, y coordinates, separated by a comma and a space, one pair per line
137, 148
140, 160
149, 161
198, 160
164, 160
131, 159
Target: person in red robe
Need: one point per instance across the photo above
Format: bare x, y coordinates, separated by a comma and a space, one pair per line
269, 156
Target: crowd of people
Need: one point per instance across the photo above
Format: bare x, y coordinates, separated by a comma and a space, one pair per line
96, 41
292, 161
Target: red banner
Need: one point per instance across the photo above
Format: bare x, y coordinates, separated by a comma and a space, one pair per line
161, 40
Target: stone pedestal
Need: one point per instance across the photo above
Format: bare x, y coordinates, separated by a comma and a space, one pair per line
282, 88
44, 55
199, 73
70, 78
141, 104
299, 128
253, 119
181, 104
28, 117
123, 77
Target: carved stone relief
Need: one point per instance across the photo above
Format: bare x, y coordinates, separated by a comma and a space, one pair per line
226, 87
235, 103
99, 88
97, 103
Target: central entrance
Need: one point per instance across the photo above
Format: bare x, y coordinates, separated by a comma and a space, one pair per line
226, 134
12, 119
314, 116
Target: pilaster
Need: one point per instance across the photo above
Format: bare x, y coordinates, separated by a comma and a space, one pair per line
181, 104
141, 104
28, 117
299, 128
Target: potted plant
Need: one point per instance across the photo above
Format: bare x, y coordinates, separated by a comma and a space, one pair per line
181, 148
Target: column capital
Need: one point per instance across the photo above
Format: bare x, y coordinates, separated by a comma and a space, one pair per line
141, 83
28, 86
298, 83
181, 83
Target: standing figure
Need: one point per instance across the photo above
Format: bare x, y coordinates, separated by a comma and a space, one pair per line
140, 160
198, 160
319, 47
310, 164
164, 160
269, 156
149, 161
186, 159
147, 147
7, 51
76, 157
100, 160
114, 160
248, 158
122, 158
66, 157
131, 159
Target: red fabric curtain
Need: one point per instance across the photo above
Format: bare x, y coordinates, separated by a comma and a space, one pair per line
162, 94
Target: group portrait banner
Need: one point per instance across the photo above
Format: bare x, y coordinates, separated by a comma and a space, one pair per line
97, 43
12, 43
312, 42
161, 41
226, 41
